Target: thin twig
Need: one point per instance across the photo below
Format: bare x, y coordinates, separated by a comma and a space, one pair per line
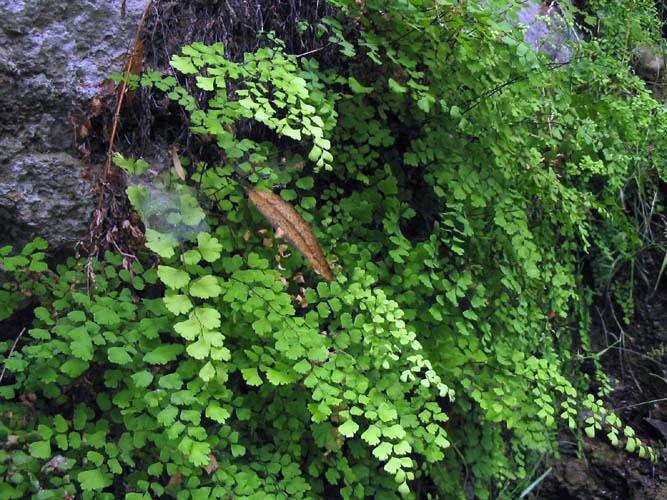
640, 404
10, 354
313, 51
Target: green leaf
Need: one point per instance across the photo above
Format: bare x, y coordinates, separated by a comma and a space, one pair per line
119, 355
38, 243
60, 423
172, 277
314, 154
291, 132
394, 432
82, 346
358, 88
183, 64
205, 287
191, 213
199, 454
393, 465
162, 244
394, 86
346, 320
191, 257
208, 317
251, 376
207, 372
209, 247
114, 466
425, 103
163, 354
387, 413
167, 416
189, 328
372, 435
143, 378
95, 457
205, 83
105, 316
214, 338
77, 316
256, 262
155, 469
302, 367
402, 448
40, 449
278, 377
199, 349
262, 326
348, 428
94, 479
172, 381
305, 183
74, 367
382, 451
178, 303
39, 334
215, 412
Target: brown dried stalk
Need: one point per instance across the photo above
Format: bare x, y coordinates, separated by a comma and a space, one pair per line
133, 63
284, 218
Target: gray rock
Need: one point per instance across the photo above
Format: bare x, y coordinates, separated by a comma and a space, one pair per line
649, 63
43, 194
54, 54
547, 31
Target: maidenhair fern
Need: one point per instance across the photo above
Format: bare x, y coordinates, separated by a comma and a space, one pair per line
450, 181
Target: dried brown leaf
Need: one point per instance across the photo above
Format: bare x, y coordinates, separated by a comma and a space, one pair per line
212, 465
284, 216
173, 152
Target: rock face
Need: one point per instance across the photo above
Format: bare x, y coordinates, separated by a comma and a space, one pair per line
43, 194
54, 54
551, 37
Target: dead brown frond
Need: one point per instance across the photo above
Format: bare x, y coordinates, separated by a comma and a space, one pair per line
284, 217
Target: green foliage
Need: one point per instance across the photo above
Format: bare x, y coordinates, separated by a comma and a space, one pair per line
270, 87
456, 176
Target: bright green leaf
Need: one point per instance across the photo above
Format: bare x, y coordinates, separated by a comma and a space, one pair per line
94, 479
348, 428
209, 247
382, 451
172, 277
118, 355
207, 372
372, 435
205, 287
178, 304
40, 449
251, 376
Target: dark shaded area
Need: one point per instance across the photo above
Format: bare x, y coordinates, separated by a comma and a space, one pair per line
635, 358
